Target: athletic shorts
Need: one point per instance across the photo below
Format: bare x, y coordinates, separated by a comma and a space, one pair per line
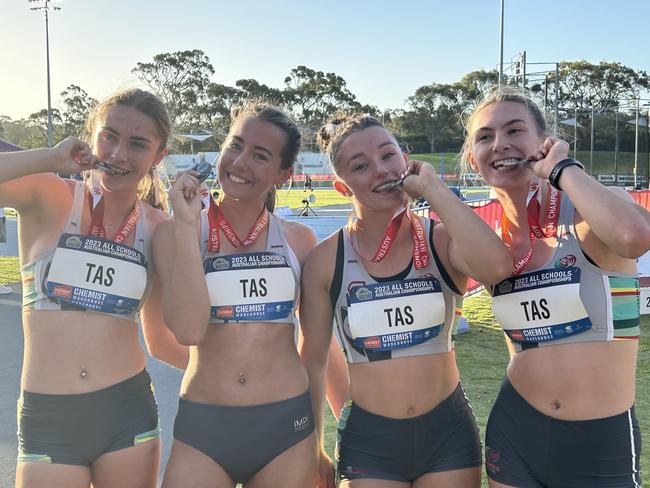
244, 439
77, 429
372, 446
528, 449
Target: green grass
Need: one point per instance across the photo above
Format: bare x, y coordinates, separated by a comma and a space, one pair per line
9, 269
482, 359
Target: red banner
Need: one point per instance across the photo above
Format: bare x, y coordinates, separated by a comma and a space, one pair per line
642, 197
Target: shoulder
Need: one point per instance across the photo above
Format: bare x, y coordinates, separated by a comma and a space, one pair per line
318, 271
300, 237
322, 257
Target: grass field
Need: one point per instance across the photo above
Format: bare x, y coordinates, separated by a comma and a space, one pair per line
482, 360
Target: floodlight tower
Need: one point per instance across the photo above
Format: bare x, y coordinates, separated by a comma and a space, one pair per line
46, 6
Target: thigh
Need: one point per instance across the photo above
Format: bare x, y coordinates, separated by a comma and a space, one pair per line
458, 478
133, 467
188, 466
37, 474
296, 467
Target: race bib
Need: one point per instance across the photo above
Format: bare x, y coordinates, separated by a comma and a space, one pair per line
251, 287
97, 274
395, 314
541, 306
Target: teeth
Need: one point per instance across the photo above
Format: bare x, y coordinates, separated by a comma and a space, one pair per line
110, 169
387, 186
506, 163
236, 179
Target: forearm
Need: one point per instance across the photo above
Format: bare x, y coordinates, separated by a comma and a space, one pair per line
186, 299
485, 256
619, 223
316, 373
22, 163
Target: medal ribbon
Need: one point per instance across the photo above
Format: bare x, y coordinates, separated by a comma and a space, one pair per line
533, 210
218, 221
420, 251
97, 228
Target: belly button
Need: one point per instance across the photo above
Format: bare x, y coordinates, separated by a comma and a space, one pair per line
556, 404
410, 411
83, 373
242, 378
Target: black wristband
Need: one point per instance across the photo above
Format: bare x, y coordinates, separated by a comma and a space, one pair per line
554, 177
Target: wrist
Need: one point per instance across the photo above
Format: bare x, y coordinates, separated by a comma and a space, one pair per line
183, 226
558, 169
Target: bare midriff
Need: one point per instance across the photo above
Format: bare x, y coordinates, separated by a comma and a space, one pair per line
580, 381
403, 387
250, 363
71, 352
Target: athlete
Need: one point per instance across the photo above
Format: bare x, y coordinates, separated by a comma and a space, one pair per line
87, 413
390, 281
565, 413
232, 282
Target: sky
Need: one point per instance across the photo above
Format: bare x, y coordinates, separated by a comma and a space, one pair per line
384, 49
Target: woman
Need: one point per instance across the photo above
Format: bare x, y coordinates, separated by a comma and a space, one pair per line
390, 280
87, 412
565, 412
244, 413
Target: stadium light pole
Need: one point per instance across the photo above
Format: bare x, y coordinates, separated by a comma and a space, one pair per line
45, 6
501, 45
636, 139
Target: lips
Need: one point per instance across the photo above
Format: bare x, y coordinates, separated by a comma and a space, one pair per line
506, 164
386, 186
111, 169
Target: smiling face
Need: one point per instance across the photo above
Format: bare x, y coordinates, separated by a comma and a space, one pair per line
367, 162
251, 159
127, 140
501, 134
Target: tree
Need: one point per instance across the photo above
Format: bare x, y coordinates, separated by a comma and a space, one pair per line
474, 84
583, 84
77, 104
436, 108
180, 79
38, 120
314, 95
251, 89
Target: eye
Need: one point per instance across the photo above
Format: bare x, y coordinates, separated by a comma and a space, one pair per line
261, 157
360, 166
138, 145
234, 145
107, 136
515, 130
484, 137
388, 155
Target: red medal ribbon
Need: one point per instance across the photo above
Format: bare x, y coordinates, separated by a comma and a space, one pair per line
218, 221
97, 228
533, 210
420, 251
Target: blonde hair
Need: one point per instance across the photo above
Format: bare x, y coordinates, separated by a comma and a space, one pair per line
498, 94
151, 188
